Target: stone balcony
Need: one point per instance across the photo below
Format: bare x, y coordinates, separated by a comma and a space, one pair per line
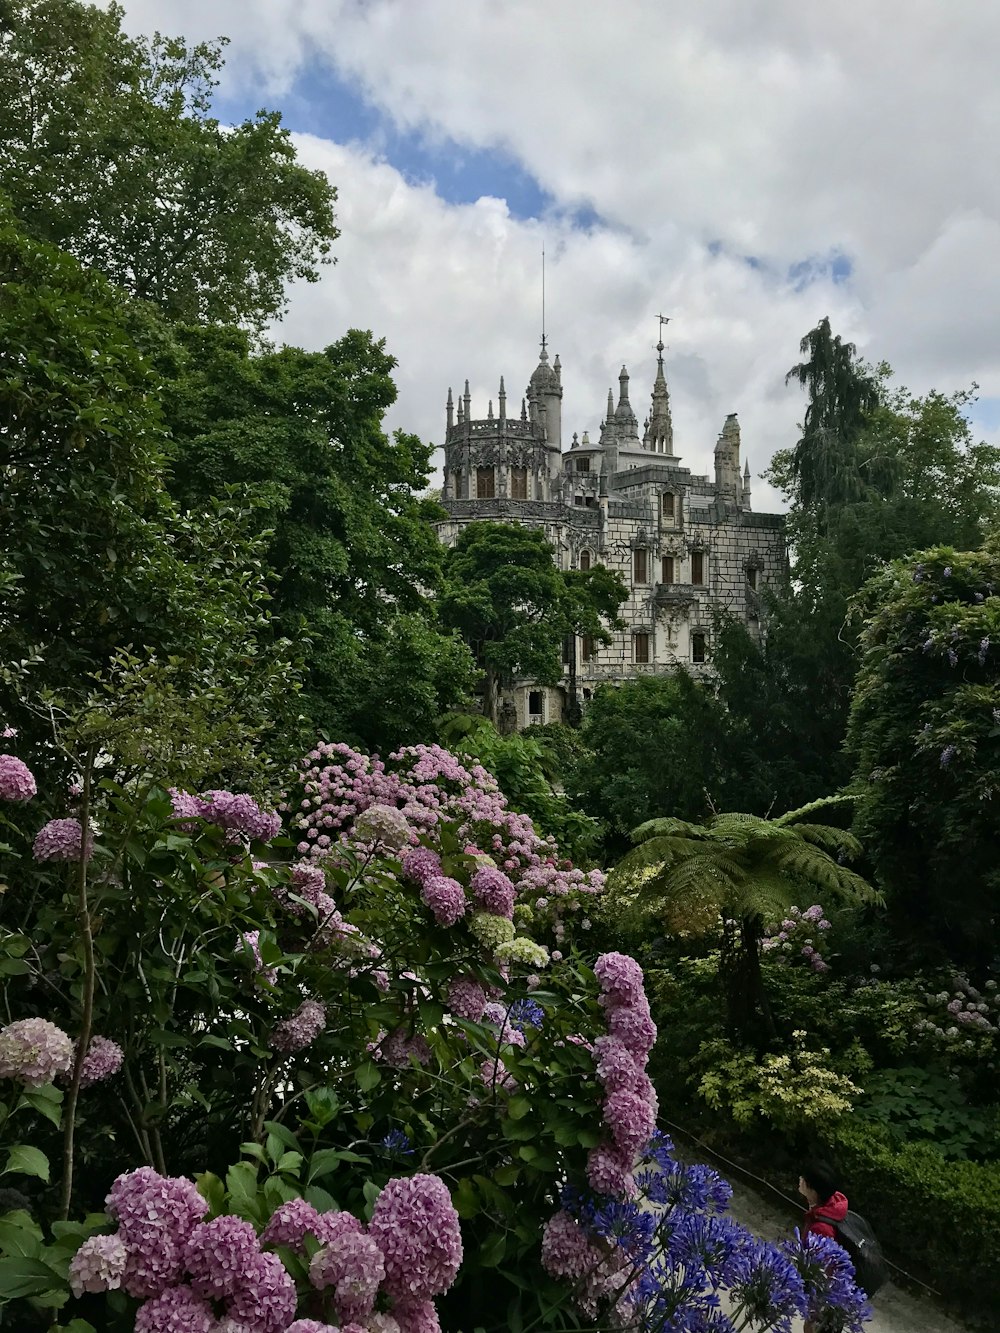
675, 595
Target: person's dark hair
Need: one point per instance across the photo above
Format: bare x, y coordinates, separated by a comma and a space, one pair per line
821, 1177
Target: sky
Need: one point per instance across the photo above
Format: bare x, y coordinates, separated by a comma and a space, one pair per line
744, 167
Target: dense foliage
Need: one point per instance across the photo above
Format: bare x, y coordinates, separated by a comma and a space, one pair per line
109, 150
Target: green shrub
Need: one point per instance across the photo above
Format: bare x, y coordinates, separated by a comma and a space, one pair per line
939, 1219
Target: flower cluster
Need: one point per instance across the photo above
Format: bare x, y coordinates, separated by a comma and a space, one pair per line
17, 782
299, 1031
104, 1058
34, 1051
962, 1016
238, 814
383, 826
62, 840
798, 936
218, 1276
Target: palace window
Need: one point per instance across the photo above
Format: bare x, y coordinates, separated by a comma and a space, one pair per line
698, 567
640, 571
460, 492
667, 569
640, 648
752, 578
584, 559
583, 465
536, 705
697, 646
587, 648
519, 483
667, 506
485, 483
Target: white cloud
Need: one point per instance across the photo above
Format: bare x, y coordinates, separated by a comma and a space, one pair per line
779, 130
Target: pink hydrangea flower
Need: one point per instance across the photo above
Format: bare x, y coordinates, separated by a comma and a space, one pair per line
421, 864
493, 891
416, 1317
17, 782
176, 1310
466, 999
312, 1326
155, 1216
631, 1120
620, 979
266, 1299
218, 1254
634, 1028
609, 1171
290, 1223
104, 1058
299, 1031
62, 840
399, 1047
567, 1250
354, 1267
416, 1227
34, 1051
98, 1265
616, 1067
445, 897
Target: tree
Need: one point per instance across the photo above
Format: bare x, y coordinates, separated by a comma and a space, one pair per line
108, 150
99, 572
925, 739
743, 869
514, 608
652, 744
355, 555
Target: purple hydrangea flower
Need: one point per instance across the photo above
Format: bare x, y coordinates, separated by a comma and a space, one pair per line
17, 782
467, 999
620, 979
493, 891
62, 840
218, 1254
445, 897
290, 1223
415, 1225
421, 864
266, 1299
354, 1267
384, 826
103, 1059
175, 1310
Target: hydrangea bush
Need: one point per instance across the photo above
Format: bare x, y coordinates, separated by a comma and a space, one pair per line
434, 1112
798, 937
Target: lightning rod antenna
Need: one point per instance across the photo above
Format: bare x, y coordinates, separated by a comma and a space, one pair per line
543, 295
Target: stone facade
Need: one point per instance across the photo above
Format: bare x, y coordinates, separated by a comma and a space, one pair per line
684, 545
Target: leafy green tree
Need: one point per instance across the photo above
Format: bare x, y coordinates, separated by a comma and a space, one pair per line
652, 744
514, 608
353, 548
925, 739
99, 572
108, 149
743, 869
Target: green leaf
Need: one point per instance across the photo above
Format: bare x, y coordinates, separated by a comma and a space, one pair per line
241, 1186
47, 1101
211, 1188
25, 1160
22, 1276
367, 1076
466, 1199
20, 1234
283, 1133
492, 1250
290, 1162
507, 1175
518, 1107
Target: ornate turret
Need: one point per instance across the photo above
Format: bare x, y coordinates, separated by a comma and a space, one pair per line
545, 390
659, 433
746, 485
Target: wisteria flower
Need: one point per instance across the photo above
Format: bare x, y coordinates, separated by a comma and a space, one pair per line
34, 1051
17, 782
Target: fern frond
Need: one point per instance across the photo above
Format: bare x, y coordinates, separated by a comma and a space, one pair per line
829, 838
824, 803
659, 828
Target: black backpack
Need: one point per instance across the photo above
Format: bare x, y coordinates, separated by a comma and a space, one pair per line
855, 1236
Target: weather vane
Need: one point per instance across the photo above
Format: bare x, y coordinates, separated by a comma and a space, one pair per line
664, 319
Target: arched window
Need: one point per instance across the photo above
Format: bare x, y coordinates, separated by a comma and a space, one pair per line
536, 705
668, 506
752, 577
698, 568
640, 648
640, 571
587, 648
667, 569
519, 483
485, 483
697, 646
584, 559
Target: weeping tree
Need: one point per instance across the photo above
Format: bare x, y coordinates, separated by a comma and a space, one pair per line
740, 870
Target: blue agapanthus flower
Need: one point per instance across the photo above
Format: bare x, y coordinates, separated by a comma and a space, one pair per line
526, 1014
629, 1226
695, 1189
765, 1286
828, 1279
711, 1244
397, 1143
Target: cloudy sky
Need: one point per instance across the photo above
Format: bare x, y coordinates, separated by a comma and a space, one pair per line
743, 166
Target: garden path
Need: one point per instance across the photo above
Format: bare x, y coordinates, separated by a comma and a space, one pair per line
896, 1311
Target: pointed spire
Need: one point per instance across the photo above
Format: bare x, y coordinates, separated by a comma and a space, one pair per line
576, 441
461, 414
611, 406
659, 433
450, 409
524, 410
503, 401
468, 402
625, 419
557, 367
489, 412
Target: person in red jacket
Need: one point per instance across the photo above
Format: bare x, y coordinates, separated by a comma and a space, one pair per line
818, 1186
